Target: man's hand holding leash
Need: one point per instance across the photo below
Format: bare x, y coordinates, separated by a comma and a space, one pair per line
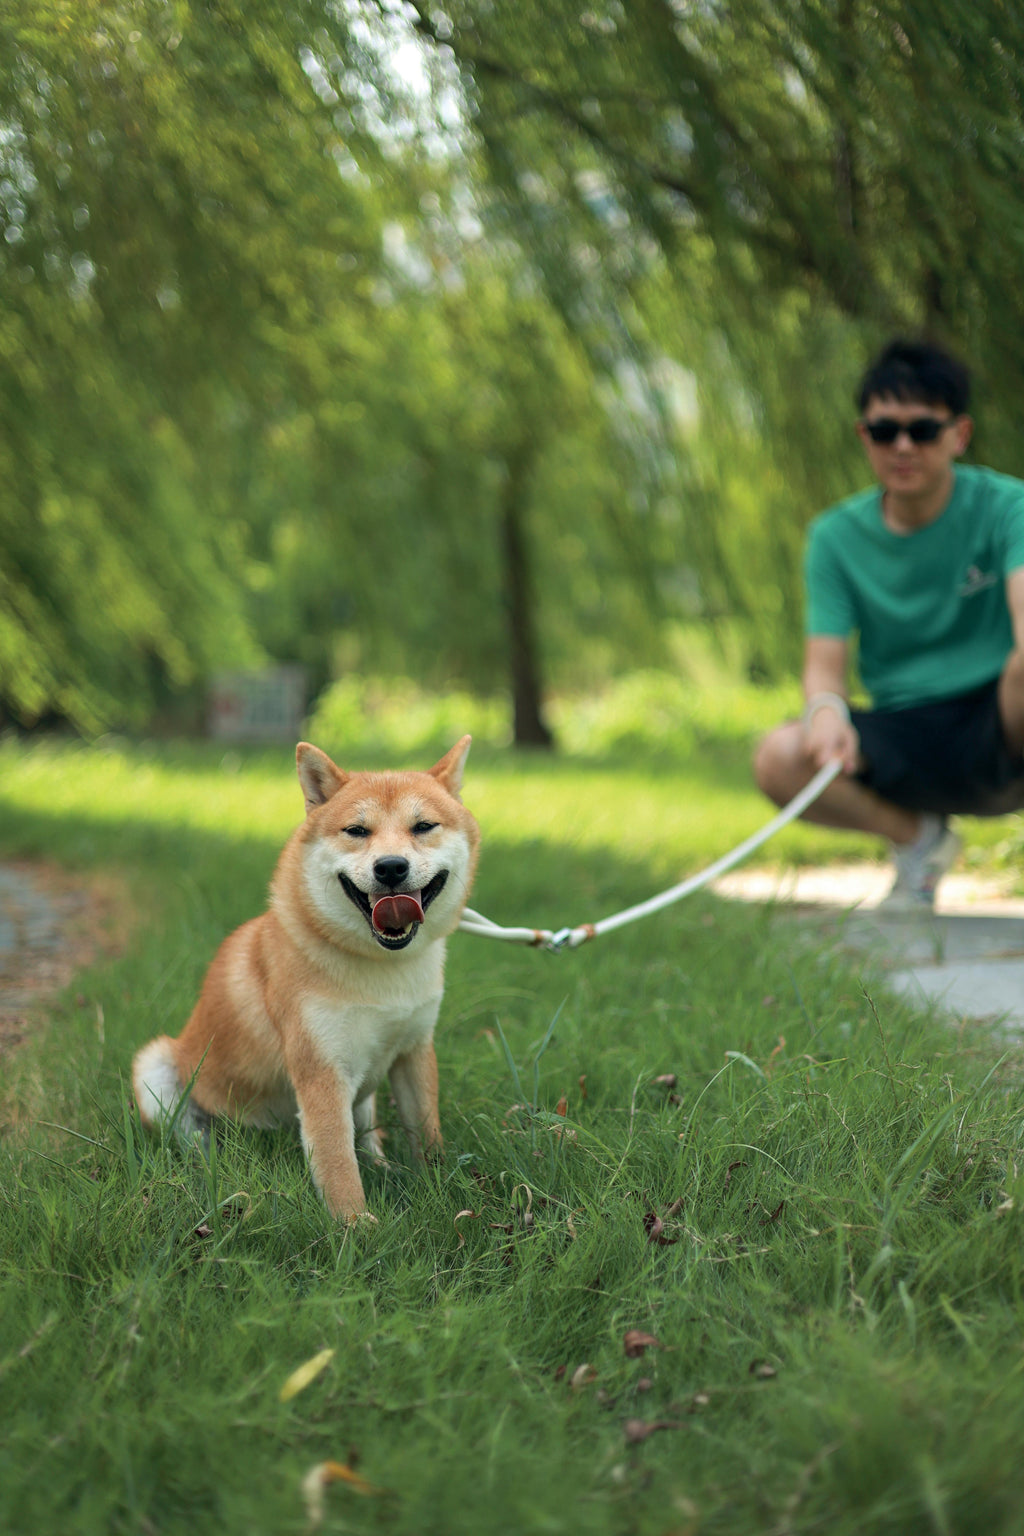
829, 732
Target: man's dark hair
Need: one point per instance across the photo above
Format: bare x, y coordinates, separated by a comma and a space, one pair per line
918, 371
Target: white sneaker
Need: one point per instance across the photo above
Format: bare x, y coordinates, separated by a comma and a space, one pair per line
920, 866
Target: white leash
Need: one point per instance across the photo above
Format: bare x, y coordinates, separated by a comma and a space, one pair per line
572, 938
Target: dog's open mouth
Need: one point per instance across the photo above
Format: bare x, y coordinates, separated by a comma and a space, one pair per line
395, 916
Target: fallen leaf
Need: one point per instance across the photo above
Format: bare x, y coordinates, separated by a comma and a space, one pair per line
666, 1080
655, 1229
729, 1172
301, 1378
761, 1369
636, 1430
562, 1107
237, 1206
473, 1215
775, 1214
771, 1059
340, 1472
324, 1473
203, 1230
644, 1384
636, 1343
527, 1215
582, 1376
583, 1085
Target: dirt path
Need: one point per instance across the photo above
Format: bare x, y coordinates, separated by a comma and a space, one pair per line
52, 925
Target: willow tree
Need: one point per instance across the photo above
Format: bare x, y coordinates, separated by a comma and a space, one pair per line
173, 225
240, 415
863, 148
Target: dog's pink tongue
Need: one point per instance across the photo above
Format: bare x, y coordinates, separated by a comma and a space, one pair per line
393, 913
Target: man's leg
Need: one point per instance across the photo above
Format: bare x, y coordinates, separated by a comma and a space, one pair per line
923, 846
782, 768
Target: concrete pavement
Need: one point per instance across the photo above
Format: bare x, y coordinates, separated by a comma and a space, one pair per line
968, 955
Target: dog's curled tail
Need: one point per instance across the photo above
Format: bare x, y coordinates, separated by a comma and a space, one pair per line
159, 1090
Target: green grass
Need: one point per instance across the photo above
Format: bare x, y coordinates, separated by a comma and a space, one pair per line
838, 1302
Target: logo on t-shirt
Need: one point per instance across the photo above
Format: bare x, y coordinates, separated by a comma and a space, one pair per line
976, 581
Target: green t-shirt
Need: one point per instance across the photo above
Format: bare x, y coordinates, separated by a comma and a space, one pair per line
929, 608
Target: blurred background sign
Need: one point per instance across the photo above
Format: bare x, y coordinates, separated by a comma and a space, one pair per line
257, 706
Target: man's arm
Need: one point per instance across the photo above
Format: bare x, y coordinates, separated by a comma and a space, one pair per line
1011, 684
1015, 603
828, 732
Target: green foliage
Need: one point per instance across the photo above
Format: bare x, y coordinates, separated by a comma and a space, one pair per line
652, 715
837, 1299
174, 227
110, 575
267, 380
400, 721
782, 131
662, 715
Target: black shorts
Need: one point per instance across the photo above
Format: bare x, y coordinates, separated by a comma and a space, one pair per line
947, 756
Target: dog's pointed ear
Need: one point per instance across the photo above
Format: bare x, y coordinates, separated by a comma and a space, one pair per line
319, 777
448, 772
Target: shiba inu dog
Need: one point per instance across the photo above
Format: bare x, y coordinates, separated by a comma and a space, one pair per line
306, 1008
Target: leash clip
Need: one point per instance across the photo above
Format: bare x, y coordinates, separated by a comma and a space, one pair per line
557, 942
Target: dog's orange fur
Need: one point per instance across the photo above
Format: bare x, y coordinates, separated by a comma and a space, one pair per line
302, 1009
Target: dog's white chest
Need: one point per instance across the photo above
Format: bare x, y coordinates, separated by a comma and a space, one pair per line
359, 1041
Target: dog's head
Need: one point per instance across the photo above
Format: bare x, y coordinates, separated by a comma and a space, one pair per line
385, 855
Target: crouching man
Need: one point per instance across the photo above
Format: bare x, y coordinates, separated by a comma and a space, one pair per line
926, 570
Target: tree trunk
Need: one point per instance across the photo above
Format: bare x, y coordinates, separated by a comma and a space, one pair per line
529, 728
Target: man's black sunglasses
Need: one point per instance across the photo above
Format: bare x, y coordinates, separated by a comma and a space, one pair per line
923, 429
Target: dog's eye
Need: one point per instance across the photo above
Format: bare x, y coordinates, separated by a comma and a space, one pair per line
356, 831
425, 826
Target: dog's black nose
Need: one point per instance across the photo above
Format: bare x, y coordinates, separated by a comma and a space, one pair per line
391, 870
